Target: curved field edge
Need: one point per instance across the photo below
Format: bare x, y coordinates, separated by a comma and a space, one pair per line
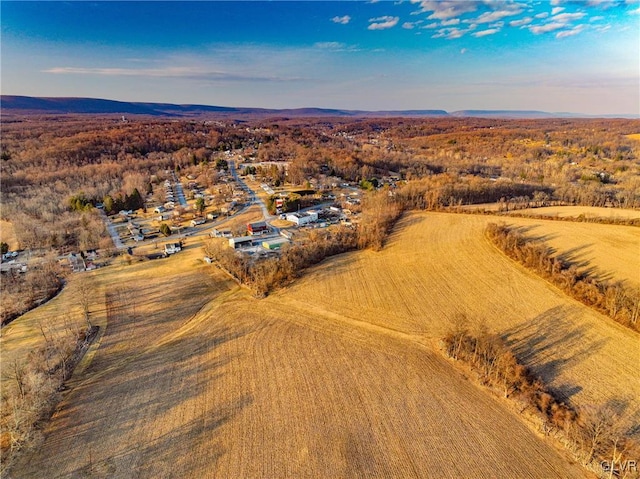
310, 380
438, 265
608, 252
244, 390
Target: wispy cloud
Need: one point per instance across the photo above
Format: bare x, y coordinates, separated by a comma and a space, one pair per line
383, 23
568, 17
341, 20
556, 10
446, 9
604, 4
602, 28
521, 22
571, 32
336, 47
546, 28
484, 33
560, 21
496, 15
453, 33
171, 72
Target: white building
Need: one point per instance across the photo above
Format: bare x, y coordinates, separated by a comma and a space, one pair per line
301, 219
172, 248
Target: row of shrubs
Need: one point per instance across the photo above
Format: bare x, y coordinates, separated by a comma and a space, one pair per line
614, 299
31, 387
595, 435
498, 367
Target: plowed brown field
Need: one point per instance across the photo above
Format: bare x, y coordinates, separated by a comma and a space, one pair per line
336, 376
586, 211
240, 391
438, 265
606, 251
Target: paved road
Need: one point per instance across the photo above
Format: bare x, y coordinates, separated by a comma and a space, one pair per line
179, 191
204, 229
253, 198
117, 242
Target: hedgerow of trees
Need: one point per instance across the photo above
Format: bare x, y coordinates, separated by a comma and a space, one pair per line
613, 298
593, 434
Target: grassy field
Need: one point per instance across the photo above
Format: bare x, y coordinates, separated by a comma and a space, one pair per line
586, 211
610, 252
245, 390
335, 376
153, 286
8, 235
438, 265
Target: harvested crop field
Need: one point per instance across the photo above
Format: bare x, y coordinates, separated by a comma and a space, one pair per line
438, 265
239, 391
610, 252
152, 289
335, 376
585, 211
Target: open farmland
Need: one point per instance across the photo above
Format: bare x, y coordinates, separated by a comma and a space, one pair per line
153, 287
438, 265
607, 251
585, 211
239, 391
335, 376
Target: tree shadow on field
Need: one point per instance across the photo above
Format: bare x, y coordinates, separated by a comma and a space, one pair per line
573, 255
526, 231
550, 343
406, 221
137, 312
177, 453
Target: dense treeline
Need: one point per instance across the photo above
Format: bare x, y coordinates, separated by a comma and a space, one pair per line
380, 212
31, 387
593, 434
614, 299
446, 191
497, 366
582, 218
47, 161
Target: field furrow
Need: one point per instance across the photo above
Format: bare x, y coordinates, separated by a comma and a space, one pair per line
337, 375
439, 265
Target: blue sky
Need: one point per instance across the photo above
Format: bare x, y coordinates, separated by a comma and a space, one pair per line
555, 55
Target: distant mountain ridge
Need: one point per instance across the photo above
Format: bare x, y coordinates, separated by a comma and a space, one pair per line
26, 105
